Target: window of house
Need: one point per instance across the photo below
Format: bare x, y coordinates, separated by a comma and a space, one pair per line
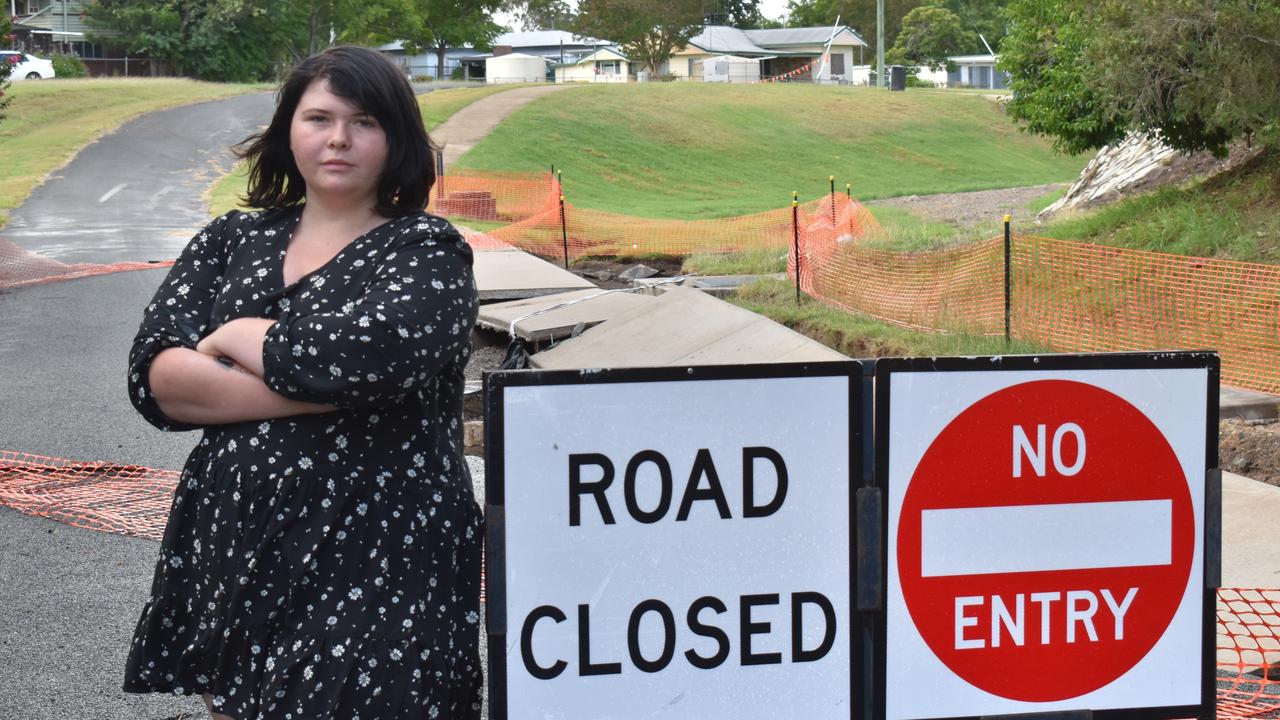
837, 63
607, 67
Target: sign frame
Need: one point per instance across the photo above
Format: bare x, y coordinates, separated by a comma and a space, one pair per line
885, 369
495, 384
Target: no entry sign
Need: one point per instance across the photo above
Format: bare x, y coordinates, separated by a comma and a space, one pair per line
673, 542
1045, 534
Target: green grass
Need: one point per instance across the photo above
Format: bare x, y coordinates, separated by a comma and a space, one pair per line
860, 336
436, 106
1046, 200
751, 262
1234, 216
49, 122
696, 151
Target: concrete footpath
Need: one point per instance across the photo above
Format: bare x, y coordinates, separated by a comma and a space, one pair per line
469, 125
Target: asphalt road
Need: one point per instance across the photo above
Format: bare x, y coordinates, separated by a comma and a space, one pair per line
137, 193
69, 598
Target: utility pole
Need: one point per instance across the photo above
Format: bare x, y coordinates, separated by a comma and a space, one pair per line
882, 77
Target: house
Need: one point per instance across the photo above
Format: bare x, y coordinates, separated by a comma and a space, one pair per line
602, 66
557, 46
47, 26
786, 53
424, 63
978, 71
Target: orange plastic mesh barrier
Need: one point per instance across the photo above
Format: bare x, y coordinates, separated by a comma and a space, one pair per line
20, 267
596, 233
1068, 296
1080, 297
1248, 653
493, 195
121, 499
132, 500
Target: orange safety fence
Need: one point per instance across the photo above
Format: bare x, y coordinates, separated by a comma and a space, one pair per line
1065, 295
133, 500
19, 267
597, 233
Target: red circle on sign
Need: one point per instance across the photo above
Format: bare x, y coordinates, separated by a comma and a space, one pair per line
970, 465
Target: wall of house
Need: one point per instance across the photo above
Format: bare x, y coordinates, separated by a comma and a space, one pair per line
850, 54
682, 65
586, 74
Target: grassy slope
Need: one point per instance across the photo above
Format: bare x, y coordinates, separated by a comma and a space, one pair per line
1236, 216
49, 122
695, 151
437, 106
859, 336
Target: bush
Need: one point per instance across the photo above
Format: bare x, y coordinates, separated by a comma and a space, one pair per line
68, 66
423, 78
458, 74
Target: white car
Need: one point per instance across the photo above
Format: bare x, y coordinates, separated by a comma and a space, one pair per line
28, 67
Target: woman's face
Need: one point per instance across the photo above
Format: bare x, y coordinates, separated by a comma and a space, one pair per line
339, 149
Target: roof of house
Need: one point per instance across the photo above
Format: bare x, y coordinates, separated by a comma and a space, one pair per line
725, 39
545, 38
601, 54
801, 36
732, 41
972, 59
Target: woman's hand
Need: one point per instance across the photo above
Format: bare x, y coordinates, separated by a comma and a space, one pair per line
240, 341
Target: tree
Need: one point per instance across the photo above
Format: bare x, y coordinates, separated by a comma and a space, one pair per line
1198, 73
978, 19
649, 31
541, 14
447, 24
1044, 54
742, 14
6, 68
930, 35
857, 14
242, 40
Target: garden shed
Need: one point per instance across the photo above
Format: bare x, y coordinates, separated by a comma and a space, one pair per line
515, 68
729, 69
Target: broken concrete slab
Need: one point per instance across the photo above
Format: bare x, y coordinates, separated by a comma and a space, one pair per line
1247, 404
637, 272
684, 327
593, 307
515, 274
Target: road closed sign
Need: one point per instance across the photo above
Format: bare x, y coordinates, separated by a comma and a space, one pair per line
673, 543
1045, 534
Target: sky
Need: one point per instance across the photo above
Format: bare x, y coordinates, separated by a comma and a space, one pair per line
772, 9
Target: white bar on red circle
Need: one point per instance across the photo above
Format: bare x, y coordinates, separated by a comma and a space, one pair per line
1034, 538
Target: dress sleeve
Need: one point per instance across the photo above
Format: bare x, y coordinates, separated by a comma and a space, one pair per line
179, 314
413, 318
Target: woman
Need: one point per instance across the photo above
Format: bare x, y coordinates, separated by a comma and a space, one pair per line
321, 558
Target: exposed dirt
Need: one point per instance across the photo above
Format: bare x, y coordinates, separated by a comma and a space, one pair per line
1250, 448
985, 208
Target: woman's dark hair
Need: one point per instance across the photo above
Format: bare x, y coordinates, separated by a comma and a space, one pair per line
370, 82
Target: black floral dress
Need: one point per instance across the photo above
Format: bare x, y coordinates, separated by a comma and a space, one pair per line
322, 566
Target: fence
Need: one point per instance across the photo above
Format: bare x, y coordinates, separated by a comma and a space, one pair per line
133, 500
1063, 295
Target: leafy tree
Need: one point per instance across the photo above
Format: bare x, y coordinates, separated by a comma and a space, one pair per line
649, 31
743, 14
857, 14
449, 24
929, 36
1044, 54
985, 18
1198, 73
542, 14
6, 68
241, 40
